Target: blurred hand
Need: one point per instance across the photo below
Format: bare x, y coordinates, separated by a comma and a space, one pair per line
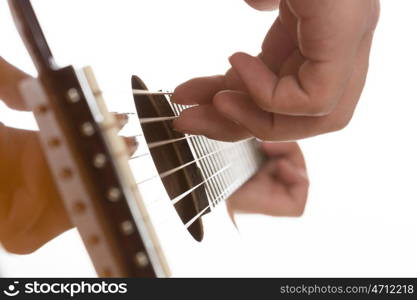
31, 211
280, 187
306, 81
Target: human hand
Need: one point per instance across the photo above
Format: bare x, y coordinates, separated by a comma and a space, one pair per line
306, 81
31, 210
279, 188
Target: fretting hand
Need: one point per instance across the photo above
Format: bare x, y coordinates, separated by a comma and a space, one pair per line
306, 81
31, 211
279, 188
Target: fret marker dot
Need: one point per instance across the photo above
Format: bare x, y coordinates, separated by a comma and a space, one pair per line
99, 160
114, 194
87, 129
127, 227
73, 95
141, 259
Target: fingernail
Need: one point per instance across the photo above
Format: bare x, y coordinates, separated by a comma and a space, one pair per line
122, 119
132, 144
235, 55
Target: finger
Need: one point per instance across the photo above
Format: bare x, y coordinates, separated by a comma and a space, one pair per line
205, 120
296, 181
51, 222
33, 184
132, 144
288, 150
281, 40
198, 90
289, 173
313, 91
122, 119
24, 211
10, 77
268, 193
37, 213
276, 127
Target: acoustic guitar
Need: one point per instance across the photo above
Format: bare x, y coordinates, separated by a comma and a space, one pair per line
132, 213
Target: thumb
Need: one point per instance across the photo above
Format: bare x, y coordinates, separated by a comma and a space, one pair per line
10, 77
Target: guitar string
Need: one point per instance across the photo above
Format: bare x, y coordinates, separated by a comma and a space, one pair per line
233, 184
213, 201
157, 119
187, 192
177, 109
163, 141
140, 92
216, 200
173, 170
169, 172
197, 216
212, 177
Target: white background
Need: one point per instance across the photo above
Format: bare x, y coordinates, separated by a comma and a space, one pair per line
361, 216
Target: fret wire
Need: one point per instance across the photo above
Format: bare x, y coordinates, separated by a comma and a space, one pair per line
248, 155
205, 171
229, 178
211, 187
219, 185
220, 162
193, 145
210, 170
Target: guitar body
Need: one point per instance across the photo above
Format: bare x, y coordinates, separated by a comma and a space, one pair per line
158, 213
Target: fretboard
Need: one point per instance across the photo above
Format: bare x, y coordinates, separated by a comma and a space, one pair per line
225, 166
